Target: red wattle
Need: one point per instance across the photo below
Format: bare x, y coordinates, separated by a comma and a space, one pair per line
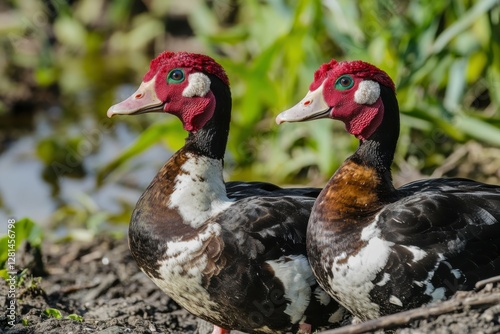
196, 113
365, 120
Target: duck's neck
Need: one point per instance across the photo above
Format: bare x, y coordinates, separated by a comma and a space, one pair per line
198, 185
211, 139
377, 152
364, 183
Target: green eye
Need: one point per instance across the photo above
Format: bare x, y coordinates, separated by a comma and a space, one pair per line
175, 76
344, 82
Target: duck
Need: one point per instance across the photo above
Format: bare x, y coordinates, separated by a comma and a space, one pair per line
231, 253
377, 249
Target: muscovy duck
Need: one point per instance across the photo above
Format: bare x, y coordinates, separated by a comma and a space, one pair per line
230, 253
376, 249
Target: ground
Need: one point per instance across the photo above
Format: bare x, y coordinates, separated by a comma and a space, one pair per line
100, 282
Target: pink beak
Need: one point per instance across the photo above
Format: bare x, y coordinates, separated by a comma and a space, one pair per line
142, 101
312, 106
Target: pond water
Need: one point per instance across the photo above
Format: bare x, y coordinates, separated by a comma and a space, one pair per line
73, 200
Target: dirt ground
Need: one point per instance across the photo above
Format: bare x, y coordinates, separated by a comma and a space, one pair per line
100, 282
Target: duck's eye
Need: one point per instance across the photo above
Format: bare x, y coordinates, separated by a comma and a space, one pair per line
175, 76
344, 82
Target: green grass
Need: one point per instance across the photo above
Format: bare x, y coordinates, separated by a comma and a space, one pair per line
443, 56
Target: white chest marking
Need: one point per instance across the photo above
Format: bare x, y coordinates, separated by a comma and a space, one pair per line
182, 272
297, 277
199, 191
353, 280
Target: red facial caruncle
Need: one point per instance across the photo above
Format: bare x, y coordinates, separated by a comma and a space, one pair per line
347, 91
176, 83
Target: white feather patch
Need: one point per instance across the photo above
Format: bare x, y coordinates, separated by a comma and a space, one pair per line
187, 289
437, 293
386, 278
337, 316
295, 273
199, 85
395, 300
368, 92
418, 253
322, 296
199, 191
457, 273
353, 280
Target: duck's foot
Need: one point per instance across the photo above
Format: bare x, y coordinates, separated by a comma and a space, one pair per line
305, 329
219, 330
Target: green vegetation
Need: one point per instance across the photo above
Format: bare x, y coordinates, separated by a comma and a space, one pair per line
24, 230
74, 317
55, 313
444, 58
443, 55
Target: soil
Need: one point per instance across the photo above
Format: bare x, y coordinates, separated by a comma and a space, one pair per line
100, 282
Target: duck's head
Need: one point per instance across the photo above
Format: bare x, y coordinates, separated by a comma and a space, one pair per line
180, 84
348, 91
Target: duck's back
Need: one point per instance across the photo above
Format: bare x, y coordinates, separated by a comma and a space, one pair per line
439, 237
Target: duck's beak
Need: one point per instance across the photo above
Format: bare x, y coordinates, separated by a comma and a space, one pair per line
142, 101
312, 106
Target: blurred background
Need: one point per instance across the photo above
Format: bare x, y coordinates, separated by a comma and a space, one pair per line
64, 63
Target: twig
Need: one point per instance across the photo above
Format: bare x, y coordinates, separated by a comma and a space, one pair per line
97, 254
451, 162
403, 318
482, 283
